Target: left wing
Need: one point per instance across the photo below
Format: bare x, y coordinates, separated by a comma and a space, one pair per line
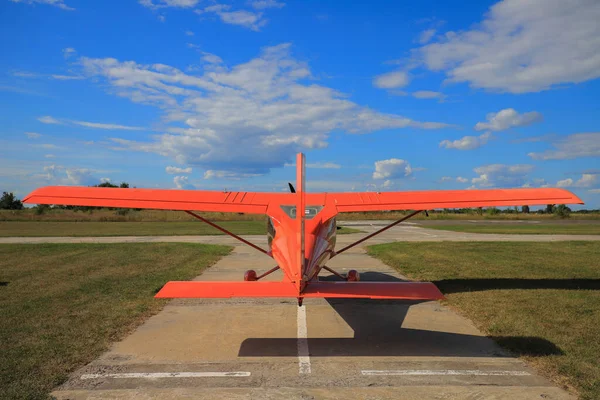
158, 199
427, 200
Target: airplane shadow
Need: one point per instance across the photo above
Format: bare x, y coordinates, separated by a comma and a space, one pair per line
447, 286
378, 332
3, 283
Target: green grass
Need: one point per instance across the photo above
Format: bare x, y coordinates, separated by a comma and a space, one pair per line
63, 304
546, 229
52, 228
539, 300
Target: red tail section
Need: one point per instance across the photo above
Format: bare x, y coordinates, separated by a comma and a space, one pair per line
353, 290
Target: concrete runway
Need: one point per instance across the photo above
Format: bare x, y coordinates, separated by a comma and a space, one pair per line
342, 349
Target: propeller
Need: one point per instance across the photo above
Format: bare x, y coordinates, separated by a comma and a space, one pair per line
291, 187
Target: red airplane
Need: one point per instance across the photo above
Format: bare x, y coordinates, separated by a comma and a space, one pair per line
300, 242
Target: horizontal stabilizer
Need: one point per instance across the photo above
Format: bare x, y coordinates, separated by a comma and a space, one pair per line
357, 290
374, 290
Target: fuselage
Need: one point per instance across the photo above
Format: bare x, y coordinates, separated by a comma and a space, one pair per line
319, 243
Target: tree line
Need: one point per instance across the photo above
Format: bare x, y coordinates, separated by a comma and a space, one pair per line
9, 201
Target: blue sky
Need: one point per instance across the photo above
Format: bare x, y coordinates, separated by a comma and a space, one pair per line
380, 96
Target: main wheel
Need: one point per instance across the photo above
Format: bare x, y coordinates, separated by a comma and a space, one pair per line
250, 275
353, 276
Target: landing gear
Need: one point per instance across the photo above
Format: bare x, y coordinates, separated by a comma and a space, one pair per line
353, 276
250, 275
300, 301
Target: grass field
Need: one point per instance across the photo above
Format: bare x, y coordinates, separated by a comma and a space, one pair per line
53, 228
538, 229
539, 300
63, 304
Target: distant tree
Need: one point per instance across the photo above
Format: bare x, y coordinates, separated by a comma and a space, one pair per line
123, 185
10, 202
106, 184
493, 211
525, 209
562, 211
549, 208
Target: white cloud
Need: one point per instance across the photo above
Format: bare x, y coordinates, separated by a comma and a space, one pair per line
586, 180
458, 179
55, 3
323, 165
156, 4
247, 19
189, 33
68, 52
177, 170
244, 119
264, 4
66, 77
97, 125
32, 135
501, 175
49, 156
515, 47
25, 74
391, 169
426, 36
428, 94
595, 191
391, 80
467, 142
47, 146
572, 146
48, 120
57, 174
212, 174
35, 75
565, 183
506, 119
211, 58
181, 182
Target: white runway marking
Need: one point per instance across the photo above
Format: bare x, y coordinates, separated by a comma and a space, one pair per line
303, 354
156, 375
428, 372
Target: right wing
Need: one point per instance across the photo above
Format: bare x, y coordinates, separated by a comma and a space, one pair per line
158, 199
427, 200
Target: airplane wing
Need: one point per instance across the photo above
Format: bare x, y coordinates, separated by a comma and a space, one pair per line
427, 200
158, 199
257, 202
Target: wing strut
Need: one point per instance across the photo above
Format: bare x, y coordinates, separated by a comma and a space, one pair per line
377, 232
228, 232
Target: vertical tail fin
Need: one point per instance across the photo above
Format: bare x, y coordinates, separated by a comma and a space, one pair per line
300, 211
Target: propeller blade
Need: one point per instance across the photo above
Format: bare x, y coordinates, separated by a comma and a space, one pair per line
291, 187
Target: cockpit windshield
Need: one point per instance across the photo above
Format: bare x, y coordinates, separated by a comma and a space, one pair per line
309, 211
